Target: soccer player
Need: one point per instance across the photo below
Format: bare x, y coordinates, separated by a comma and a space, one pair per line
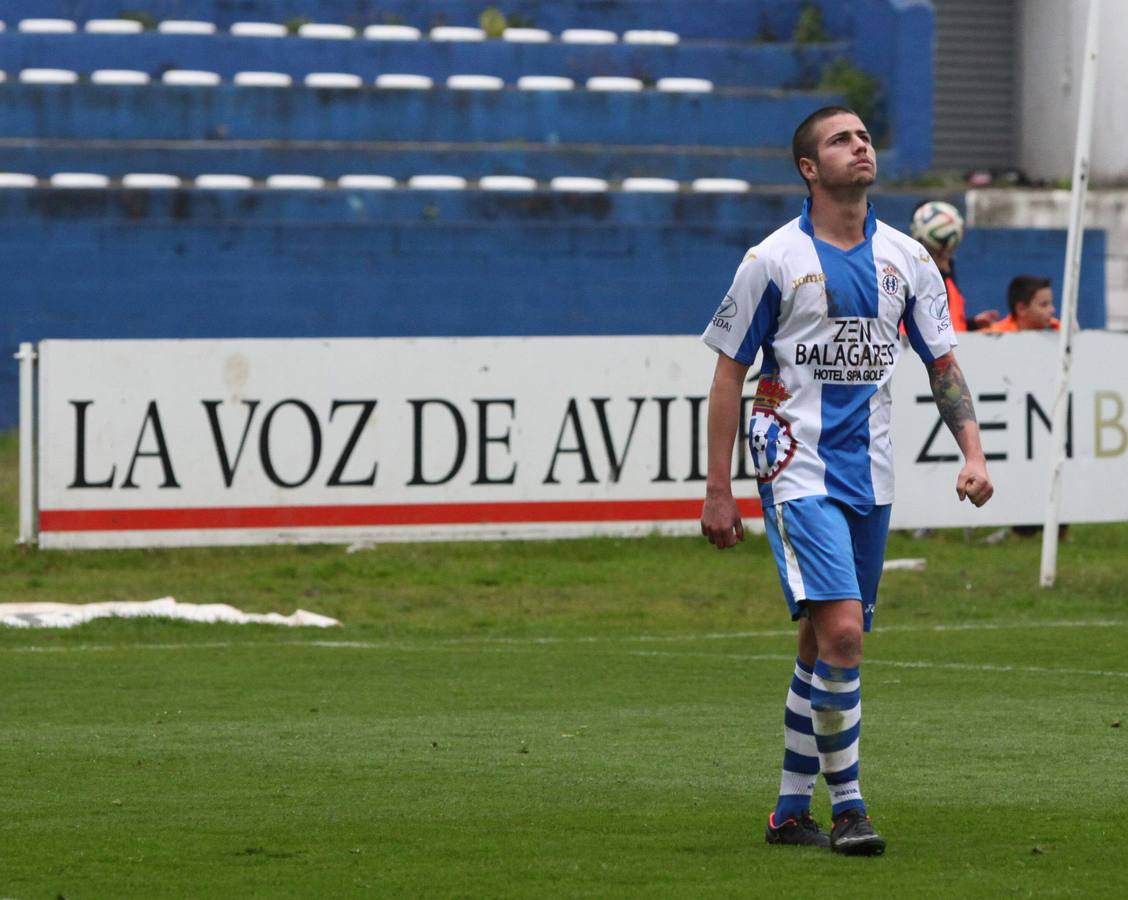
822, 298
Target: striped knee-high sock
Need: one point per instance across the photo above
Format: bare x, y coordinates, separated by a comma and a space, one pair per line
836, 710
800, 755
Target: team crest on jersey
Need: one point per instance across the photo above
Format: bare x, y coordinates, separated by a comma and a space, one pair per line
769, 434
771, 443
890, 282
770, 393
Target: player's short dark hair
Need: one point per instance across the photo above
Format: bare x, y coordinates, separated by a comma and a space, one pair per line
803, 143
1023, 288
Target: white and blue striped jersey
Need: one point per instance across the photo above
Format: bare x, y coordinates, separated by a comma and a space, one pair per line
827, 321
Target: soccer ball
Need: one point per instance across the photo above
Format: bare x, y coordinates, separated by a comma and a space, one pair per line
938, 225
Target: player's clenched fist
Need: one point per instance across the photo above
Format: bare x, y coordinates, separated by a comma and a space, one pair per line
975, 486
720, 522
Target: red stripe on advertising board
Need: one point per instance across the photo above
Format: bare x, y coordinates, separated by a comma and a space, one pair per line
375, 515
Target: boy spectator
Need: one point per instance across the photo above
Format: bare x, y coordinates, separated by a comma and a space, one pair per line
1031, 303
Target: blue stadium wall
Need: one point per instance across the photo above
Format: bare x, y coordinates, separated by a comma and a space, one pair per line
891, 40
200, 264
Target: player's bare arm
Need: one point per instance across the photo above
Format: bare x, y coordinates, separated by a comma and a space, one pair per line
953, 400
720, 517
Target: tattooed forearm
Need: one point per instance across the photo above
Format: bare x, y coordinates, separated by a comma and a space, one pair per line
950, 390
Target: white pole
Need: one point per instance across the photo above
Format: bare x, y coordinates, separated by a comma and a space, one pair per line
26, 357
1069, 293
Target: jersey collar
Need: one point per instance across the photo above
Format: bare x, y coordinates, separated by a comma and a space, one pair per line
807, 228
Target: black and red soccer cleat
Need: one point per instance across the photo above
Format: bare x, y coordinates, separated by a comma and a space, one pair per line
853, 835
796, 831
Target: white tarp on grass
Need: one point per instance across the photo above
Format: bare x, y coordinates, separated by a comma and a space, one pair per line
67, 615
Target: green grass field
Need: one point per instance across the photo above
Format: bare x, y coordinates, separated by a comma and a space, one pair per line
595, 718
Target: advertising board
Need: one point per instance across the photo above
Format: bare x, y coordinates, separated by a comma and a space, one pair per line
150, 443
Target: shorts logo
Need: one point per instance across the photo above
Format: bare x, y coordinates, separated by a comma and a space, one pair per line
889, 281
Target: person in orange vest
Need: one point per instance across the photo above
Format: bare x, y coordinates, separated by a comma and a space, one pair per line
940, 228
1031, 302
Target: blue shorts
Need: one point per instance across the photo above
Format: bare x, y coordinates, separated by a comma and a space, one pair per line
826, 550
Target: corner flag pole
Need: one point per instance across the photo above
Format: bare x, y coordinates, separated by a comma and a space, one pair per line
1069, 294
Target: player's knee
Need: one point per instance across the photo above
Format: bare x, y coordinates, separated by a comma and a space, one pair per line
842, 646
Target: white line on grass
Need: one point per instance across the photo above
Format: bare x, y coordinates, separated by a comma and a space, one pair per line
642, 638
787, 632
99, 648
894, 663
742, 657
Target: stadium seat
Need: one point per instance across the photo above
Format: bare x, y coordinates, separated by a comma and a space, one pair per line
113, 26
258, 29
336, 80
578, 185
526, 36
651, 185
661, 38
475, 83
684, 85
47, 26
613, 83
224, 182
588, 36
185, 26
48, 76
746, 65
119, 76
190, 78
17, 180
392, 33
366, 182
322, 31
436, 182
395, 81
150, 180
79, 180
458, 117
720, 185
295, 182
263, 79
545, 83
457, 33
507, 183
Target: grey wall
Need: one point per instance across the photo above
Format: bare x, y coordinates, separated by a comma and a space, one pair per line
1052, 39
